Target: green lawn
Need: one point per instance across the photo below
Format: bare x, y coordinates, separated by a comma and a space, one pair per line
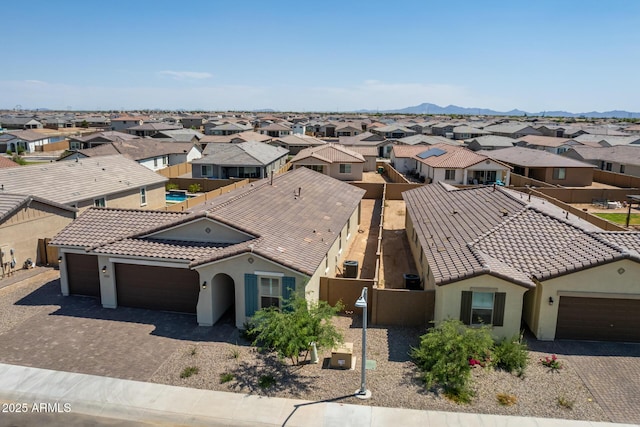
620, 218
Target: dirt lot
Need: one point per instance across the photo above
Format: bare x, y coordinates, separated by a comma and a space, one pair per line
363, 244
396, 254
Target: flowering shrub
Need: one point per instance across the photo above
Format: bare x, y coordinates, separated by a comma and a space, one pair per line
551, 362
474, 362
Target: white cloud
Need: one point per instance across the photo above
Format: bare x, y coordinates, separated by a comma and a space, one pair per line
182, 75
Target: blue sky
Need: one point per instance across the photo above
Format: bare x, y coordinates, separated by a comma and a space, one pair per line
318, 56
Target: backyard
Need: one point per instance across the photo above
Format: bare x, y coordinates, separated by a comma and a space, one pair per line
620, 218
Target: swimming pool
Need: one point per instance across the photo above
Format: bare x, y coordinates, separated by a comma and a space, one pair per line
174, 196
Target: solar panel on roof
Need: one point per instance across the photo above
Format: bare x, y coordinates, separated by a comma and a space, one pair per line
431, 152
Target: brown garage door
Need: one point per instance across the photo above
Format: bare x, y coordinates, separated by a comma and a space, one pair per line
157, 288
83, 274
599, 319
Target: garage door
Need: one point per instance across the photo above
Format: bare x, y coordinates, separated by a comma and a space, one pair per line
157, 288
599, 319
83, 274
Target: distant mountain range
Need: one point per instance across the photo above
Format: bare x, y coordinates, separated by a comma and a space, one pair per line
427, 108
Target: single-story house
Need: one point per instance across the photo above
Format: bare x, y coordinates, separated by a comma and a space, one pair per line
348, 129
393, 131
149, 152
495, 258
608, 140
467, 132
550, 144
370, 155
193, 121
151, 128
425, 140
620, 158
295, 143
368, 139
249, 159
275, 130
98, 138
27, 140
490, 142
450, 164
243, 250
179, 135
125, 122
226, 128
334, 160
12, 122
544, 166
234, 138
513, 130
111, 181
24, 220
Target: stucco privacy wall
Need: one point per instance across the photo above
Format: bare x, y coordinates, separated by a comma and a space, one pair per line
605, 281
24, 227
449, 299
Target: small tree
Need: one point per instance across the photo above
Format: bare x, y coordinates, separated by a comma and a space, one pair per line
84, 124
194, 188
290, 331
445, 353
171, 186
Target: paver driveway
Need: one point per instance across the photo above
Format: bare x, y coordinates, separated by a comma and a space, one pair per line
611, 372
41, 328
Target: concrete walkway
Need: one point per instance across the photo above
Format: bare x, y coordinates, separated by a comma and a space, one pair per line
138, 402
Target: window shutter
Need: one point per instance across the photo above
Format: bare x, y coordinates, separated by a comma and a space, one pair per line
250, 294
465, 307
498, 308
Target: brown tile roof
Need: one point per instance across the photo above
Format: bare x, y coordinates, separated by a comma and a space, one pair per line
295, 231
7, 163
464, 233
545, 141
99, 226
139, 149
11, 203
330, 153
454, 157
27, 135
529, 157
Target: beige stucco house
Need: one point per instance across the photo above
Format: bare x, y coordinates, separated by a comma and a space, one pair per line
334, 160
494, 257
109, 181
241, 251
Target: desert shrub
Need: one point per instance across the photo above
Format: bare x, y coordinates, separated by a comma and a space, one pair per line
511, 355
194, 188
564, 402
551, 362
506, 399
266, 381
171, 186
189, 371
226, 377
444, 355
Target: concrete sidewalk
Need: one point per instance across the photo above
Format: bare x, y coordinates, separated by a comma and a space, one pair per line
158, 404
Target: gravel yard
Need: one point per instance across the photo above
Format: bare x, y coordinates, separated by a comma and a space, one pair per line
394, 382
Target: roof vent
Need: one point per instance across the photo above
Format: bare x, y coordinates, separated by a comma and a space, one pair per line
504, 212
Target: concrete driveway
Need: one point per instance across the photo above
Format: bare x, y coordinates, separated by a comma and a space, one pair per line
41, 328
611, 372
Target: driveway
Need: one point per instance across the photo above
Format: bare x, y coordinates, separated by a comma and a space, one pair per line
41, 328
611, 372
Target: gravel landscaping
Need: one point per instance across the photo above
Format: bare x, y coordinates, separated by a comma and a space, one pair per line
394, 382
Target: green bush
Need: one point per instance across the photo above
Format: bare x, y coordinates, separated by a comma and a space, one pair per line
226, 377
188, 371
511, 355
194, 188
266, 381
171, 186
444, 356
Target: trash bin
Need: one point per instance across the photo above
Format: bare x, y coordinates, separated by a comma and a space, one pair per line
380, 169
350, 269
411, 281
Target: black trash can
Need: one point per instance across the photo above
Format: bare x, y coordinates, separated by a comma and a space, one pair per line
411, 281
350, 269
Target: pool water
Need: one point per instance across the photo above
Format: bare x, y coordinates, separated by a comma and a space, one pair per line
177, 196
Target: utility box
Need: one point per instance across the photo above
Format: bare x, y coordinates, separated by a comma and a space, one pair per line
350, 269
342, 356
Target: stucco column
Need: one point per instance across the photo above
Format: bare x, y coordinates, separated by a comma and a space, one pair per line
204, 309
464, 179
108, 293
64, 278
508, 178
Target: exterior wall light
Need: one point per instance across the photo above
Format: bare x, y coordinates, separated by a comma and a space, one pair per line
59, 259
104, 269
550, 300
204, 285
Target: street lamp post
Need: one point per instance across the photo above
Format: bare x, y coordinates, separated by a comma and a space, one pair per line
363, 393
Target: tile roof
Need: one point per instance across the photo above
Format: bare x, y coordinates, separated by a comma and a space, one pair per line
107, 136
249, 153
99, 226
475, 231
295, 231
609, 139
139, 149
427, 140
7, 163
68, 182
625, 154
300, 140
546, 141
454, 157
27, 135
330, 153
529, 157
493, 141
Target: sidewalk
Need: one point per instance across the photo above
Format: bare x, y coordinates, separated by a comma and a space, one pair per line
168, 405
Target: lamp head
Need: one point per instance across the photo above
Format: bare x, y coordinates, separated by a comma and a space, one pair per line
361, 303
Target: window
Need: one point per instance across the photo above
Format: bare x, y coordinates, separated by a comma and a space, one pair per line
559, 173
317, 168
326, 264
348, 228
345, 168
269, 292
482, 307
340, 243
450, 175
165, 160
621, 168
609, 166
101, 202
155, 162
206, 170
143, 196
